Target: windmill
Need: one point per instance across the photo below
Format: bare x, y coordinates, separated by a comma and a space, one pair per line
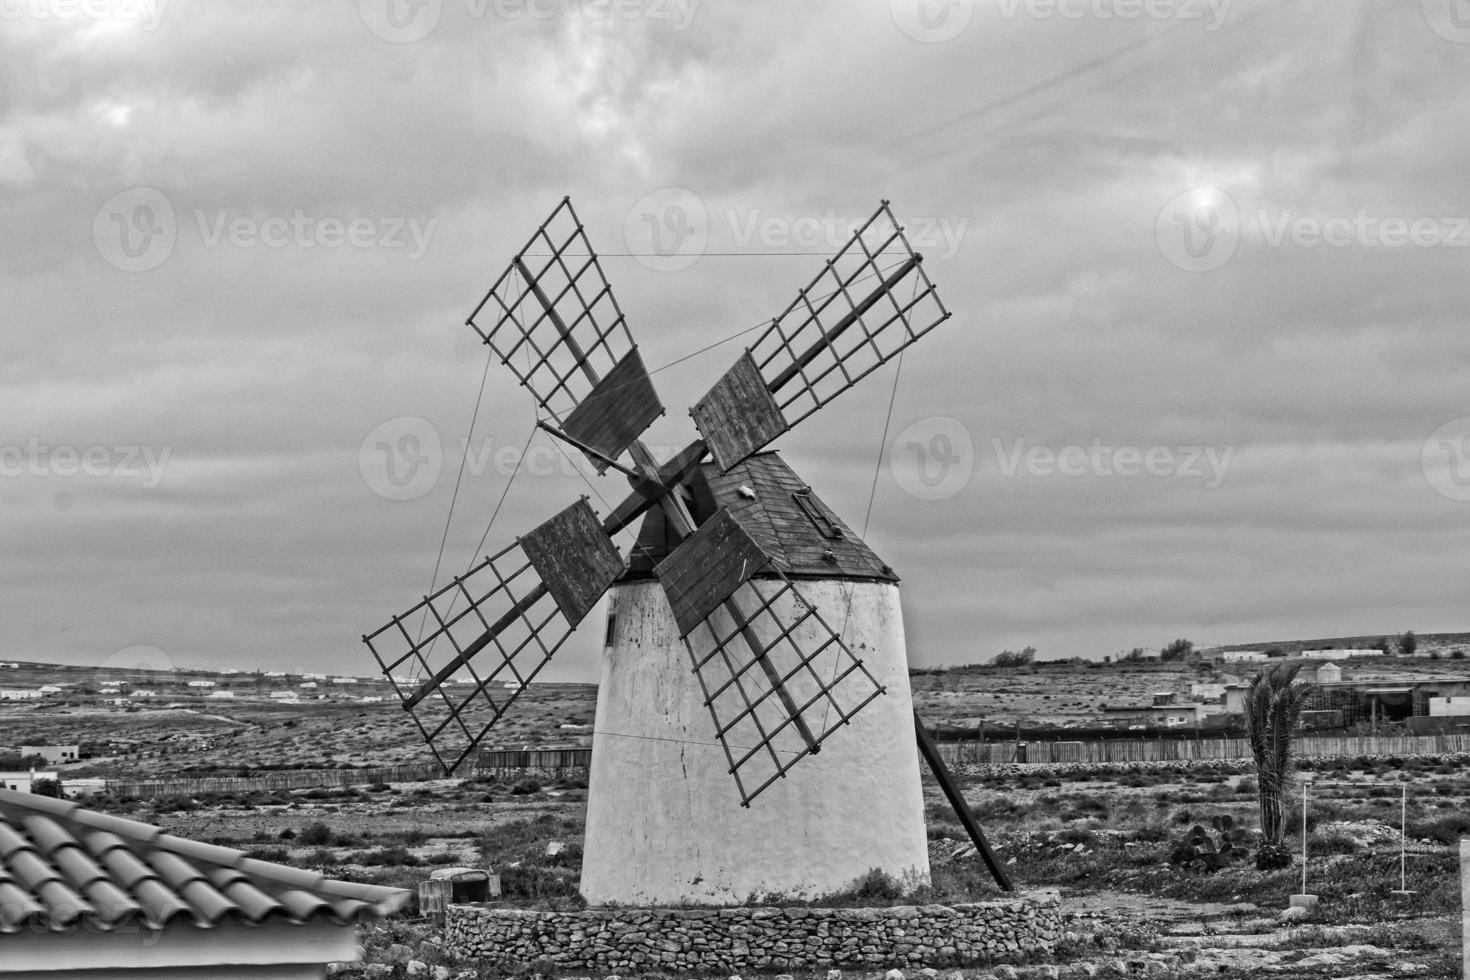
748, 631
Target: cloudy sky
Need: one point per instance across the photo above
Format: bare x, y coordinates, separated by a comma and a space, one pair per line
1206, 375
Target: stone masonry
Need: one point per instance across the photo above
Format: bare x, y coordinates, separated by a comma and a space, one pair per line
728, 940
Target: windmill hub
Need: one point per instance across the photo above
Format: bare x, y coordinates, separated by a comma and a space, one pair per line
749, 630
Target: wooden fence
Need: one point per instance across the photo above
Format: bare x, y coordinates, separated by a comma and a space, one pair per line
1185, 750
284, 779
1116, 750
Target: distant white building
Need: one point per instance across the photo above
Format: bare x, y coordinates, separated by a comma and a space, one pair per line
275, 673
344, 680
1206, 692
21, 782
307, 685
1451, 707
371, 699
19, 695
1243, 656
7, 665
201, 684
49, 689
1338, 654
55, 755
309, 676
145, 694
1329, 674
283, 695
221, 694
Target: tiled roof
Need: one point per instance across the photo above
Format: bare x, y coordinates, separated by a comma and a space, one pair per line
62, 865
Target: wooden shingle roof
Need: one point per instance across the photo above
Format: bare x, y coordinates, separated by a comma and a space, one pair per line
780, 511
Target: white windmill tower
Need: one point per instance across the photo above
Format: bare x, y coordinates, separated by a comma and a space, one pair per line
750, 625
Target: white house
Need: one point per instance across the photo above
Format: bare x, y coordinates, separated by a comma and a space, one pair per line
1449, 707
344, 680
48, 689
221, 694
307, 685
283, 695
55, 755
1243, 656
20, 695
20, 782
105, 898
1206, 691
1338, 654
201, 684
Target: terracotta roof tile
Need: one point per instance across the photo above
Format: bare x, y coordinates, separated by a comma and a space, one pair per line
60, 863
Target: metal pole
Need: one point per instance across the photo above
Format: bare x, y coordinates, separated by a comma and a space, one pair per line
1403, 837
1304, 836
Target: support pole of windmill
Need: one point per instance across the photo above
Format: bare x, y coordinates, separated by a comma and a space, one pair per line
957, 802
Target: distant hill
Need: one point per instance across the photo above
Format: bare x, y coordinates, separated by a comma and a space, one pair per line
1441, 643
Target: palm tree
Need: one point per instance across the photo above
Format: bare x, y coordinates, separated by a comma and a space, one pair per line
1273, 706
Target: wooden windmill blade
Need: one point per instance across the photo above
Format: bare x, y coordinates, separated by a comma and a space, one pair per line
552, 319
737, 611
509, 615
870, 302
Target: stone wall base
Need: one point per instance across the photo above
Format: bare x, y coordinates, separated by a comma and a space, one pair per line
730, 940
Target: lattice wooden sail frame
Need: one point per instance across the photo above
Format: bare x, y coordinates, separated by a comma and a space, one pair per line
751, 714
514, 610
553, 320
869, 303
